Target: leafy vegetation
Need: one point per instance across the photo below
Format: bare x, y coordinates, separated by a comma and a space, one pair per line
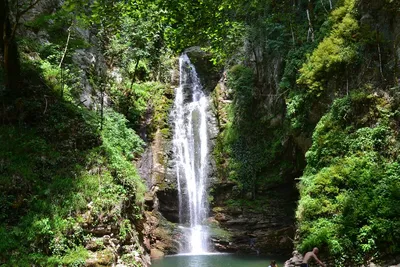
339, 48
349, 190
244, 140
67, 164
84, 87
59, 175
144, 101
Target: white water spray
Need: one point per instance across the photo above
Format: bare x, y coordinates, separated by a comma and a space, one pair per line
190, 143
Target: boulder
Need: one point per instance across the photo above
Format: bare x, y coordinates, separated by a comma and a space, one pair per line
295, 260
156, 253
101, 258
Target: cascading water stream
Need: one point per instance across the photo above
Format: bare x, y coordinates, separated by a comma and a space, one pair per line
190, 143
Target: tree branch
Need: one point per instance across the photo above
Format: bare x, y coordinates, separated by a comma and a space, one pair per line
310, 29
18, 16
33, 3
66, 47
322, 3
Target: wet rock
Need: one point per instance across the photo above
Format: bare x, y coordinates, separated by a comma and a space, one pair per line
262, 227
222, 217
156, 253
154, 166
148, 201
207, 72
101, 230
159, 233
175, 77
168, 204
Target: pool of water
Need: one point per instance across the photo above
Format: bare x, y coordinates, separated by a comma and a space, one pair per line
216, 260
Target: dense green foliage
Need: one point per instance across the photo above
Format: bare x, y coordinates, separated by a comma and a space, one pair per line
296, 69
146, 106
257, 136
249, 140
350, 189
339, 48
60, 174
67, 168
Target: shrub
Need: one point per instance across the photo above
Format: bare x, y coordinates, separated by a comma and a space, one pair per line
349, 192
336, 50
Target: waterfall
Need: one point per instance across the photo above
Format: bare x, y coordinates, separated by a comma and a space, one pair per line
190, 146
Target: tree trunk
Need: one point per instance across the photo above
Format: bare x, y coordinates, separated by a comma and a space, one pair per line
3, 15
5, 63
9, 48
11, 67
134, 73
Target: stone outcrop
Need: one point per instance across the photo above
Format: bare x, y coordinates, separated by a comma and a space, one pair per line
160, 231
259, 226
160, 236
107, 245
207, 72
157, 169
295, 260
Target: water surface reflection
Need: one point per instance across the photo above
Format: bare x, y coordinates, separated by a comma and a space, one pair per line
216, 260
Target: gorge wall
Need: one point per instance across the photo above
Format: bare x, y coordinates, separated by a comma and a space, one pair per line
238, 222
304, 125
296, 115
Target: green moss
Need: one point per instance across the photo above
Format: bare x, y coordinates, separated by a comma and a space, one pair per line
105, 257
258, 205
248, 148
219, 233
125, 229
74, 258
335, 51
145, 105
130, 259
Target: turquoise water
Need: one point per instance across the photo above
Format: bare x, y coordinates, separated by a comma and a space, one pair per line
216, 260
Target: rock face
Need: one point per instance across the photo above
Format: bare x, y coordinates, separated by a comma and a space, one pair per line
157, 167
107, 246
161, 202
208, 74
90, 60
267, 227
160, 236
264, 226
259, 223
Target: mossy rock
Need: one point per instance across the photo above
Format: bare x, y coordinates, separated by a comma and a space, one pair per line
101, 258
207, 72
217, 232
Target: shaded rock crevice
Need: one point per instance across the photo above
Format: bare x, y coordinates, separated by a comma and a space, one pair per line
264, 225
